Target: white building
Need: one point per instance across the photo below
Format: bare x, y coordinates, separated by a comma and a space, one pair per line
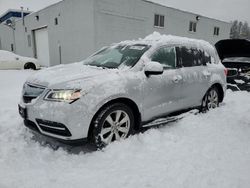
7, 34
71, 30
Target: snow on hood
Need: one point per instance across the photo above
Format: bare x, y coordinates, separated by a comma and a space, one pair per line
56, 75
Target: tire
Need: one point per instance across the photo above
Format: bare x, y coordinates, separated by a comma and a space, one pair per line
112, 123
30, 66
210, 100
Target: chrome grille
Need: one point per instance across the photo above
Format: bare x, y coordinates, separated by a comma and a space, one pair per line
31, 92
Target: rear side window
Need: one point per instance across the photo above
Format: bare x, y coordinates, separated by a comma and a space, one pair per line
189, 57
166, 56
207, 58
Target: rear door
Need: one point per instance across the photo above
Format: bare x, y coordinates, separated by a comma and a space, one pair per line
195, 75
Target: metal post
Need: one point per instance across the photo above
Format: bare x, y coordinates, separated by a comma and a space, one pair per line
14, 39
22, 14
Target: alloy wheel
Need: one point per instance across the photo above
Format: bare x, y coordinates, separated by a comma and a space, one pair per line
212, 99
116, 126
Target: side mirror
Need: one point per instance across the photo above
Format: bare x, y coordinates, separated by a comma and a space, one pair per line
232, 72
153, 68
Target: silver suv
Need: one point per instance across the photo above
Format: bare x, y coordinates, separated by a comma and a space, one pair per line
120, 88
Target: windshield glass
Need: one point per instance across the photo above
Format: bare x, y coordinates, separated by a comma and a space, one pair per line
115, 56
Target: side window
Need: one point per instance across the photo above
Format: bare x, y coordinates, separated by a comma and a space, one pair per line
166, 56
207, 58
159, 20
189, 57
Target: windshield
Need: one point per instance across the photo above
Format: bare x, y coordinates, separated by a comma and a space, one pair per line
115, 56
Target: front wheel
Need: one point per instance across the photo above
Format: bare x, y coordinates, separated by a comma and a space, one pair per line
113, 123
210, 100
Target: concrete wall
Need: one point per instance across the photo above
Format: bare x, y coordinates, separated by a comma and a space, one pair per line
120, 20
86, 26
177, 23
74, 32
6, 37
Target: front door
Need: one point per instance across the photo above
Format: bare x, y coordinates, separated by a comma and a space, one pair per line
162, 93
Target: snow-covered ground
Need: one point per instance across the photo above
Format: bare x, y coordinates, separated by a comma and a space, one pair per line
199, 151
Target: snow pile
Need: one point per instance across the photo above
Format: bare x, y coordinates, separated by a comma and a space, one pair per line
204, 150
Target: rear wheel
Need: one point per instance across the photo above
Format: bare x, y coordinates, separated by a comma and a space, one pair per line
210, 100
113, 123
30, 66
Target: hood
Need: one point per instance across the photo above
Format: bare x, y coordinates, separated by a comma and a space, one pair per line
233, 48
63, 74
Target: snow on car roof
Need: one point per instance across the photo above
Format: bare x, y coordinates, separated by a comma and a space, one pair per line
157, 39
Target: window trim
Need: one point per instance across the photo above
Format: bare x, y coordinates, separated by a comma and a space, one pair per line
216, 31
191, 28
159, 21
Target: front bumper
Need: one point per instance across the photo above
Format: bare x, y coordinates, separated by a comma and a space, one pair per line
62, 121
33, 127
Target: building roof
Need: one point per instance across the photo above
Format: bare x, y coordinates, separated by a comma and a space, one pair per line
13, 13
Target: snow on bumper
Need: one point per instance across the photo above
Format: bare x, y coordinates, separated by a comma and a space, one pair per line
58, 119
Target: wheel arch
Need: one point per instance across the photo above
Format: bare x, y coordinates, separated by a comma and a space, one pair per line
130, 103
29, 63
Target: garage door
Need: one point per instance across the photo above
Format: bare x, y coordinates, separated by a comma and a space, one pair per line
42, 46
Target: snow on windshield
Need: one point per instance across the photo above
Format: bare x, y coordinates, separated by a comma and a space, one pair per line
114, 56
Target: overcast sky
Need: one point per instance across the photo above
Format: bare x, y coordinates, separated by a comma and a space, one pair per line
226, 10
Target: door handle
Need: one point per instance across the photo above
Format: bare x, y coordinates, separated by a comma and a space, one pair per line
177, 78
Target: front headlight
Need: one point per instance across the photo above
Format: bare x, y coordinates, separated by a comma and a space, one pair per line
63, 95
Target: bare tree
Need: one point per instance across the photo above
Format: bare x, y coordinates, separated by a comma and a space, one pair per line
234, 30
245, 31
240, 30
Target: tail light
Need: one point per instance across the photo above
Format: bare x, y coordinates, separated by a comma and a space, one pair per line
226, 71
